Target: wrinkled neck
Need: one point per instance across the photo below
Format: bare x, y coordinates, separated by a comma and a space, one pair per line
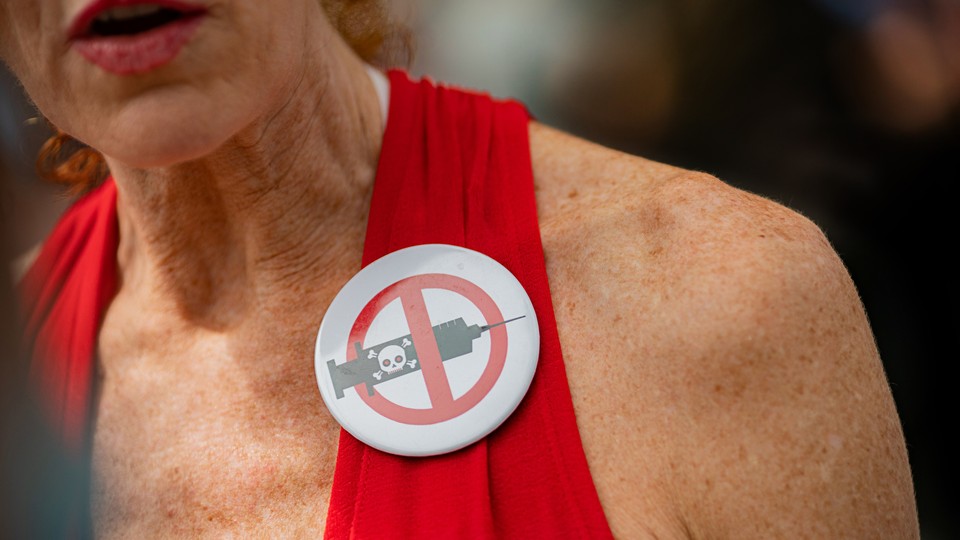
275, 213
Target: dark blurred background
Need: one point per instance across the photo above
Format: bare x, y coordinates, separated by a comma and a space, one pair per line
847, 111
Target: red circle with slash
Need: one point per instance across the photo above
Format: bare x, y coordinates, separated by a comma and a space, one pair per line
443, 405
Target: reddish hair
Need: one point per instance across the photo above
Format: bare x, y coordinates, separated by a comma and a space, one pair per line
64, 160
366, 26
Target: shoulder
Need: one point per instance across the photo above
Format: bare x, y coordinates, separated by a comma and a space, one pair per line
688, 240
740, 356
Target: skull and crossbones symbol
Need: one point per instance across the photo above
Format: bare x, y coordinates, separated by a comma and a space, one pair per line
393, 358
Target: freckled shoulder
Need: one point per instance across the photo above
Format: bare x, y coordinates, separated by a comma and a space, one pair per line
724, 375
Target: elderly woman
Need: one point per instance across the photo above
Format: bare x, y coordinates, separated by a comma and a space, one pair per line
723, 377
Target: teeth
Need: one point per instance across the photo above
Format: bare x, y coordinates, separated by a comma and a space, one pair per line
127, 12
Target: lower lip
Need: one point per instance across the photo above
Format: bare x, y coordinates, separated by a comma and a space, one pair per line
139, 53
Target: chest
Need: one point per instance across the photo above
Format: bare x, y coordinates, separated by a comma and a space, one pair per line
213, 436
207, 437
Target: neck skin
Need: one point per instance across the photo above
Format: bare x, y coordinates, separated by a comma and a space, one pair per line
273, 220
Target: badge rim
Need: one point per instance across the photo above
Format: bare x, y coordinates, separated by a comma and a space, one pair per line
515, 384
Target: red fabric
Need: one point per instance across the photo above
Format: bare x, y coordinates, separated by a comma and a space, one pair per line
65, 295
455, 169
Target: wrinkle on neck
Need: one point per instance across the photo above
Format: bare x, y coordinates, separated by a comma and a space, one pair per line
275, 213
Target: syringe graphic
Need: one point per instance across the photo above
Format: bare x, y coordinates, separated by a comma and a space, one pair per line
391, 359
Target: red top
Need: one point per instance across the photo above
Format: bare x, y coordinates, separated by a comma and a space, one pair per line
454, 169
64, 296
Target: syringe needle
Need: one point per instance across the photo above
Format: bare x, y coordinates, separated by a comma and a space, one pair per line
489, 326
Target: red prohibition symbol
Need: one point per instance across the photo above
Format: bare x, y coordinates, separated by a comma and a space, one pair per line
443, 405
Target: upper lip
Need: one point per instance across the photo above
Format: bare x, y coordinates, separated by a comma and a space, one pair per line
80, 26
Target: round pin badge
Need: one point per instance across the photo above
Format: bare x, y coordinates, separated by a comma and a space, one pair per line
427, 350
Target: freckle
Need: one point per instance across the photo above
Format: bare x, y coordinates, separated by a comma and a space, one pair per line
170, 513
717, 388
763, 236
573, 194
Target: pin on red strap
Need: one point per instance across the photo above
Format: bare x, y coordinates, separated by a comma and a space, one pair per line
427, 350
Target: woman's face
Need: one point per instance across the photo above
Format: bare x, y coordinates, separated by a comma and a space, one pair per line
156, 82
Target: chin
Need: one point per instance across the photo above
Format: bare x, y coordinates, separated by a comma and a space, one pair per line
165, 137
160, 152
153, 148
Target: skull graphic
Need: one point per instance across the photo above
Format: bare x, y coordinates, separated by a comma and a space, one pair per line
392, 358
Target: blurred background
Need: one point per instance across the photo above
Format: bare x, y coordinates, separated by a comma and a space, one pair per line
847, 111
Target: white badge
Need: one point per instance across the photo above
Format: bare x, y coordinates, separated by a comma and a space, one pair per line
427, 350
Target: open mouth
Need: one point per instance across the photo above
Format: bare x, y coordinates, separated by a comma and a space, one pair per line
124, 21
104, 20
132, 37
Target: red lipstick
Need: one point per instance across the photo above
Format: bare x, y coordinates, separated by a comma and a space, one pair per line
131, 37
